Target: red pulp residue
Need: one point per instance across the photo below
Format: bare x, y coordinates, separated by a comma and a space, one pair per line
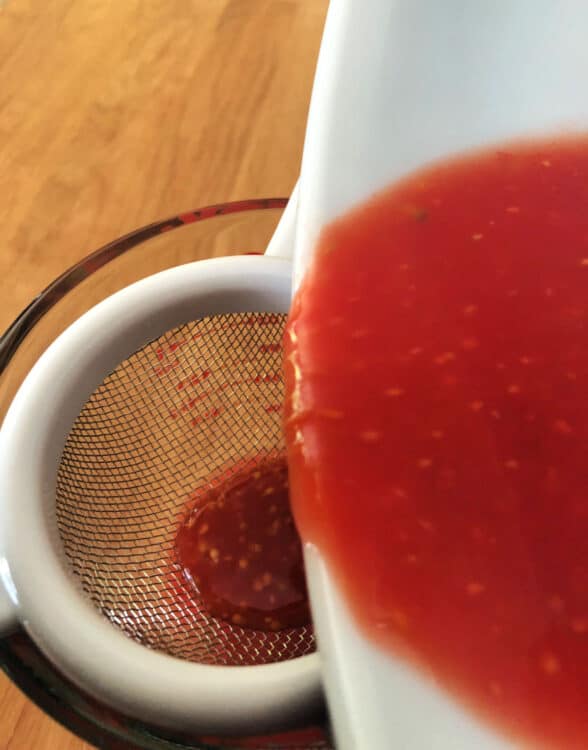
240, 551
437, 423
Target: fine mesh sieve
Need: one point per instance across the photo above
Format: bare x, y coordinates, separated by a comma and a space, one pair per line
126, 420
152, 437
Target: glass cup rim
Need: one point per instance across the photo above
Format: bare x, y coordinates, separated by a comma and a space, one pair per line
23, 324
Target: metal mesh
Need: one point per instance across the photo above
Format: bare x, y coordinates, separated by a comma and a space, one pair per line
152, 437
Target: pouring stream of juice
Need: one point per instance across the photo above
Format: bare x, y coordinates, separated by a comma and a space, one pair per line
434, 432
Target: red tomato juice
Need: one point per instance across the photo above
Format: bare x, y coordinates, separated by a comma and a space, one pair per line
437, 428
240, 552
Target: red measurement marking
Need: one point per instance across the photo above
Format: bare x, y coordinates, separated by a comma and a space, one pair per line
188, 218
274, 378
269, 348
211, 414
199, 377
161, 371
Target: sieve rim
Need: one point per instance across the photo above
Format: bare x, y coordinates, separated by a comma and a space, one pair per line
88, 649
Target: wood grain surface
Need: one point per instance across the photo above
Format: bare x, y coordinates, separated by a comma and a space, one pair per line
114, 113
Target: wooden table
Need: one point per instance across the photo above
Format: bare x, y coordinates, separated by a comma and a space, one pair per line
114, 114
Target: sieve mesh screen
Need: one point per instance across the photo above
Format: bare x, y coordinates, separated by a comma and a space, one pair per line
150, 440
